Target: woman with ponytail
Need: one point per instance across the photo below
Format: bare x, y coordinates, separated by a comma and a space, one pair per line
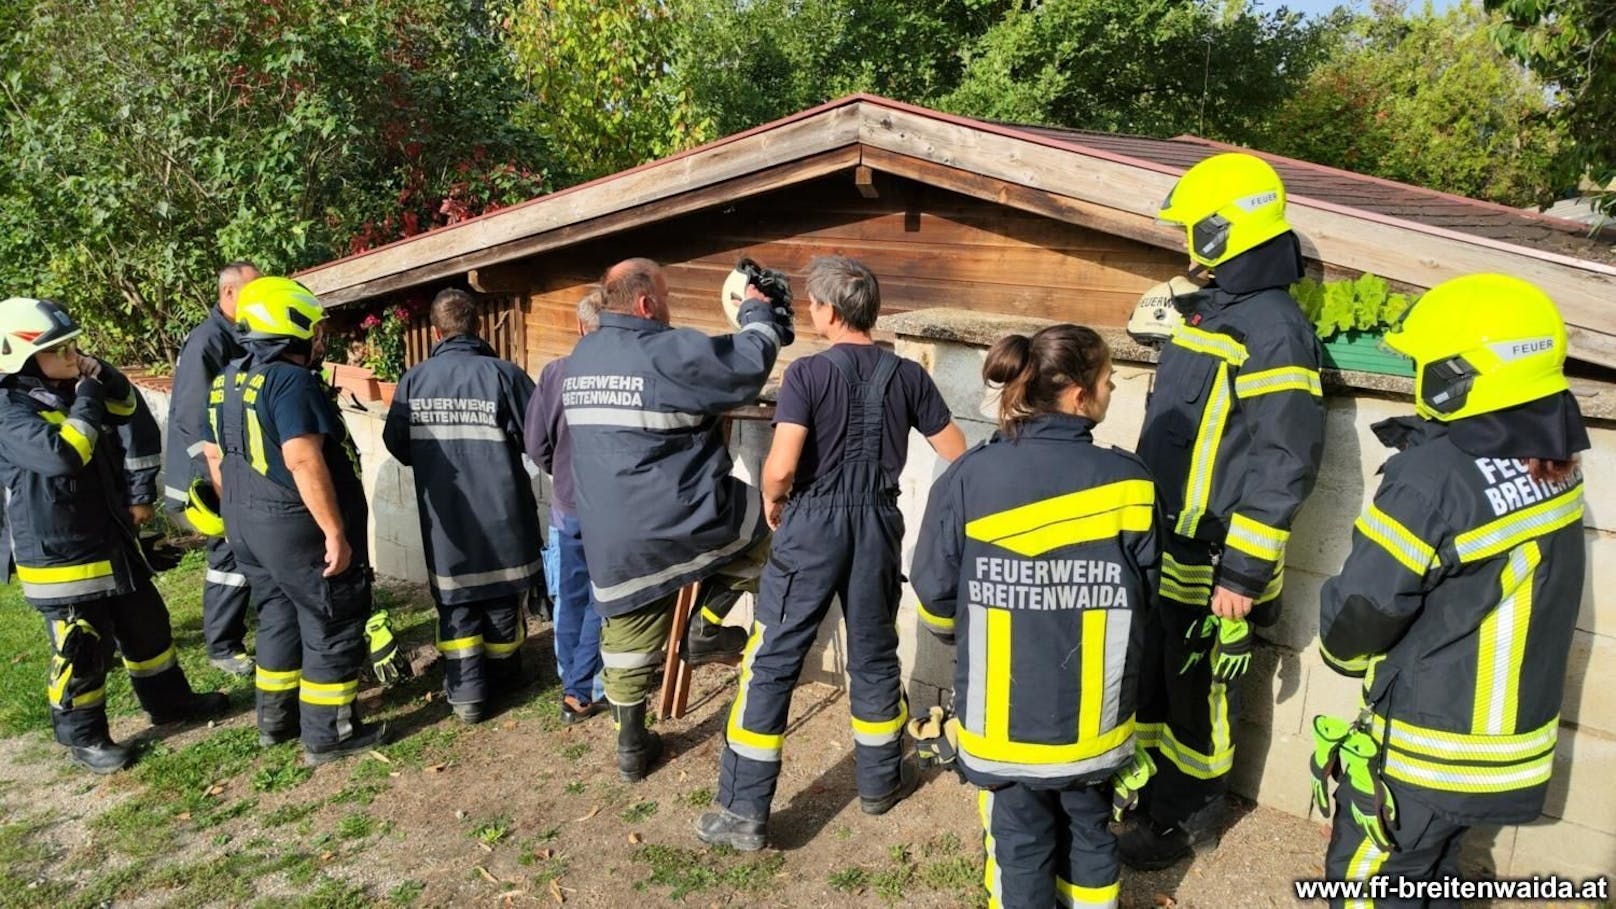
1033, 556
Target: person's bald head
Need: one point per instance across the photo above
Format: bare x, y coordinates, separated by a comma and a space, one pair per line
232, 278
637, 287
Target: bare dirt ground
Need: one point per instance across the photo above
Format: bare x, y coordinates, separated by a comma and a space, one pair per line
520, 811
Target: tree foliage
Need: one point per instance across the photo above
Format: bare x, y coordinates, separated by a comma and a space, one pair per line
1571, 46
1154, 67
1425, 98
150, 141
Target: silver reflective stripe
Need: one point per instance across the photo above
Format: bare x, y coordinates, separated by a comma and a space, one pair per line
532, 469
976, 644
633, 419
443, 432
62, 589
176, 495
85, 429
876, 741
1116, 661
225, 578
629, 660
461, 653
143, 463
1107, 761
484, 578
764, 328
994, 873
195, 449
754, 508
766, 755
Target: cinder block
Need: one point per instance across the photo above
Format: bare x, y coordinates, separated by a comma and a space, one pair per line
1598, 465
1328, 692
957, 370
1298, 624
1487, 851
1590, 683
1580, 790
1598, 612
1272, 768
1127, 414
1274, 690
1563, 848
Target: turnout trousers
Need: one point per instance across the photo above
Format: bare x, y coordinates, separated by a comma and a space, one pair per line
225, 599
1427, 850
481, 644
1183, 715
1049, 847
134, 624
841, 539
577, 623
632, 645
311, 629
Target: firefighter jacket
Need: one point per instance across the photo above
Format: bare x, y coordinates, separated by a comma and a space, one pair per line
68, 487
1233, 432
1457, 604
656, 502
1033, 555
207, 349
457, 420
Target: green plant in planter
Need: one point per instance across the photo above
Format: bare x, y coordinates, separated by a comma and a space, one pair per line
1350, 316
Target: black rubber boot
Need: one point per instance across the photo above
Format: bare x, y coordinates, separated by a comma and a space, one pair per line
707, 642
908, 781
637, 747
470, 714
1148, 846
105, 757
726, 828
201, 706
372, 737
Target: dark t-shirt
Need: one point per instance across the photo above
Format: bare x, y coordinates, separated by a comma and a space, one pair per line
292, 403
814, 394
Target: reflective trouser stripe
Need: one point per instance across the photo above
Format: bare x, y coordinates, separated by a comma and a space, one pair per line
712, 617
80, 700
1194, 763
160, 663
484, 578
1365, 864
277, 679
748, 744
462, 648
328, 694
876, 733
225, 578
500, 650
611, 660
145, 462
1073, 895
992, 877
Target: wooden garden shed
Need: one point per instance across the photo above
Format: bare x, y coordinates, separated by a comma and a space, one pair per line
949, 212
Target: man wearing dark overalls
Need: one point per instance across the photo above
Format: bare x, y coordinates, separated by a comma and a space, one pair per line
840, 441
296, 518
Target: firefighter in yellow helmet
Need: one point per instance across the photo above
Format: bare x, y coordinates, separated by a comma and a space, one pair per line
1457, 602
71, 501
1233, 434
295, 516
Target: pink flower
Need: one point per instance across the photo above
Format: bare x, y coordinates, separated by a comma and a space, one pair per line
401, 313
371, 321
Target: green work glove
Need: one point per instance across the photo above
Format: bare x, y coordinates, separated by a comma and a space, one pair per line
386, 661
1328, 734
1195, 638
1374, 809
1127, 782
1231, 652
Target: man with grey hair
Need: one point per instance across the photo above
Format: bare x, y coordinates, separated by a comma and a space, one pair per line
208, 348
577, 623
456, 419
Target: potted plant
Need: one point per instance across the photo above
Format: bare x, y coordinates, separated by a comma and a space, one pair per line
1350, 317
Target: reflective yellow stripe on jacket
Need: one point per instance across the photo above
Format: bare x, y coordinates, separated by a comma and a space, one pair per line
1465, 763
64, 581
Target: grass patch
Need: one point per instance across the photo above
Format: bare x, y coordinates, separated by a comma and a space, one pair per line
491, 833
406, 893
359, 794
429, 746
289, 814
576, 787
356, 827
849, 880
639, 812
576, 751
686, 871
697, 798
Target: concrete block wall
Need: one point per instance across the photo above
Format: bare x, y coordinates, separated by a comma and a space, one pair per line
1290, 683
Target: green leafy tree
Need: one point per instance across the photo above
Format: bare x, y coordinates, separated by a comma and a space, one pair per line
1155, 67
147, 142
1425, 98
1571, 46
605, 97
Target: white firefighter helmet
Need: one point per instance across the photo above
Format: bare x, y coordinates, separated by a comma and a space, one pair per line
28, 326
1160, 310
